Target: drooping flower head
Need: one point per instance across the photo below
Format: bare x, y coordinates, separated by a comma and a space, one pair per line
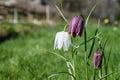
97, 59
62, 39
76, 26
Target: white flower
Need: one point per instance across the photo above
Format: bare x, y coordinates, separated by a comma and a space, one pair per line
62, 39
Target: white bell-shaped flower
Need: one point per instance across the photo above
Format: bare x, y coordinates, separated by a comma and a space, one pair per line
62, 39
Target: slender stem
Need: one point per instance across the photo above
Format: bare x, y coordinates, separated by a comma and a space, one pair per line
101, 69
94, 76
85, 40
106, 71
65, 27
73, 60
86, 68
100, 73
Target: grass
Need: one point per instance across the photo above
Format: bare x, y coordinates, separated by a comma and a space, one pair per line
27, 57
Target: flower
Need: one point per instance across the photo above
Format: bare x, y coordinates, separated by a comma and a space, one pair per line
76, 26
62, 39
97, 59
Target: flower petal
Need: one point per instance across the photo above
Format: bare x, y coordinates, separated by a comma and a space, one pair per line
67, 41
62, 39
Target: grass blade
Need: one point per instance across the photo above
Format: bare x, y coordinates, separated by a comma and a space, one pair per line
70, 69
104, 58
96, 32
103, 48
91, 49
61, 14
94, 75
109, 74
58, 55
86, 41
90, 14
58, 73
109, 56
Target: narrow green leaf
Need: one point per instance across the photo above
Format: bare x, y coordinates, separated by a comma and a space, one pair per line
91, 49
109, 56
61, 13
86, 42
58, 55
90, 14
58, 73
68, 63
94, 75
103, 48
96, 34
70, 67
104, 57
109, 74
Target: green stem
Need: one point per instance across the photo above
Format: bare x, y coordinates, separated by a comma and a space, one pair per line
94, 76
73, 60
85, 39
100, 73
65, 27
106, 72
86, 68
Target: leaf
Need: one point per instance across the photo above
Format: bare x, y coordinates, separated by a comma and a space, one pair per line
61, 13
68, 63
109, 74
58, 73
103, 48
109, 56
96, 34
58, 55
91, 49
90, 14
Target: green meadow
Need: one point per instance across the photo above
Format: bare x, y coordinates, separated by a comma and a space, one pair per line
29, 56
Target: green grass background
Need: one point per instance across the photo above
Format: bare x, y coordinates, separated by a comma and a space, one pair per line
27, 57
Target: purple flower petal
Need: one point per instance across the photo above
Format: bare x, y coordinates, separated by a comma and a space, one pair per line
97, 59
76, 26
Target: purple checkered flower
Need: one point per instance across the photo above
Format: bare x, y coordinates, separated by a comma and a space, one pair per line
97, 59
76, 26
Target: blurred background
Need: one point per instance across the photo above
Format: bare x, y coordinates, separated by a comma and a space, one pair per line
43, 11
28, 27
36, 10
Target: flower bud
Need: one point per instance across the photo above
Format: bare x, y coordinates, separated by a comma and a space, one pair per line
97, 59
76, 26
